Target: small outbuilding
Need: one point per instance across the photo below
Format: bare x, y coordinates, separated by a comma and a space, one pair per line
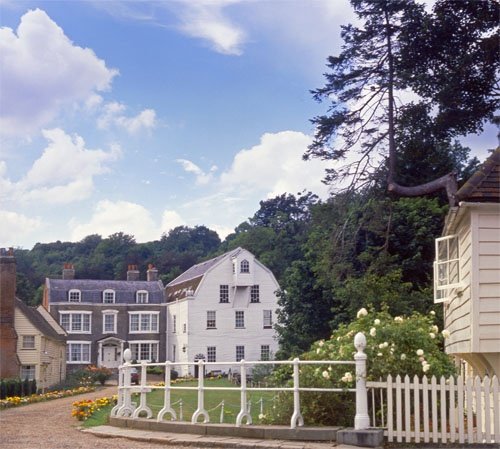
467, 271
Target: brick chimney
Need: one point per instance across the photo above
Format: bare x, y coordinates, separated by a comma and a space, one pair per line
9, 362
152, 273
68, 271
132, 273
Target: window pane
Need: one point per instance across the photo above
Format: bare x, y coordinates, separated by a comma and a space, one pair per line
211, 354
245, 266
254, 293
224, 293
64, 321
211, 323
28, 342
264, 352
145, 322
134, 323
86, 323
239, 319
240, 353
268, 320
154, 323
76, 324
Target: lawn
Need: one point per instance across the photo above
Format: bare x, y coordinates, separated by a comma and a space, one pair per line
212, 401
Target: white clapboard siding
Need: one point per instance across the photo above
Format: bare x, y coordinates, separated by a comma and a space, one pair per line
442, 410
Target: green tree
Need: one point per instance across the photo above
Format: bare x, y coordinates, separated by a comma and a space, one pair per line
398, 49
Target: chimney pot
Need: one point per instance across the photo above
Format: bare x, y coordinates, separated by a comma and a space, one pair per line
133, 273
152, 273
68, 271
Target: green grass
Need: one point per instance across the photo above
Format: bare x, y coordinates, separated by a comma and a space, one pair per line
190, 403
212, 400
99, 418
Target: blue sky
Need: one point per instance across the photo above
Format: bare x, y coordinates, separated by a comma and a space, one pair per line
142, 116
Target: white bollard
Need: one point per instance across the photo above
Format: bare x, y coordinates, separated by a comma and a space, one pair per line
362, 419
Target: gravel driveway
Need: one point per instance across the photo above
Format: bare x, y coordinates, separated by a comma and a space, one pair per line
49, 425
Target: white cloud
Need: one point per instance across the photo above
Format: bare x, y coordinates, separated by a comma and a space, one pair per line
202, 178
113, 115
170, 220
120, 216
64, 173
43, 71
275, 166
204, 19
16, 227
123, 216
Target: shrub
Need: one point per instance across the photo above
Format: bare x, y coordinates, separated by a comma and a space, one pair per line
395, 345
98, 374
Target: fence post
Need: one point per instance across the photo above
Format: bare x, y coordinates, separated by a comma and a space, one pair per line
296, 419
200, 411
243, 398
126, 407
362, 419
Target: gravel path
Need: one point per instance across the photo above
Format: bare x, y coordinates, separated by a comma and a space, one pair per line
49, 425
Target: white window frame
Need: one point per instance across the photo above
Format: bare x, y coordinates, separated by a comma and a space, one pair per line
69, 345
71, 313
240, 352
74, 295
139, 344
212, 354
239, 319
29, 338
151, 329
144, 295
211, 319
111, 299
28, 373
245, 266
443, 267
255, 294
106, 313
265, 352
267, 319
224, 293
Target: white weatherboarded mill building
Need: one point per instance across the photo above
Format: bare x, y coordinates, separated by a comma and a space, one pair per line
467, 271
222, 310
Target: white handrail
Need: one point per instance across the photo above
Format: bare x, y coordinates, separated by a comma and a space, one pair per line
126, 407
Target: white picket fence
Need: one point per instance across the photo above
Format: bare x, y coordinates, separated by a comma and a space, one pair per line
445, 411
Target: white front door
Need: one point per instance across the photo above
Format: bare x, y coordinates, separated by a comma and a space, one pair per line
109, 358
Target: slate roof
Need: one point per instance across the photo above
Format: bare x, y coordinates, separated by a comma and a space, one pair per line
484, 185
91, 290
37, 320
201, 268
191, 278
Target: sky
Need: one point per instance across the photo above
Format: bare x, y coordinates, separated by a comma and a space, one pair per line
140, 116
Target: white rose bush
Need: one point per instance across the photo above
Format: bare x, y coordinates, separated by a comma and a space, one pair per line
403, 345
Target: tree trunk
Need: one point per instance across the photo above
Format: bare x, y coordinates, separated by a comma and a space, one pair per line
447, 182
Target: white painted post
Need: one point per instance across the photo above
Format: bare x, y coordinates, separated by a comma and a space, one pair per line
243, 398
362, 419
200, 411
126, 408
297, 419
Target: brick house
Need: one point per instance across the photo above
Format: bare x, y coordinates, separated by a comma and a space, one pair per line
104, 317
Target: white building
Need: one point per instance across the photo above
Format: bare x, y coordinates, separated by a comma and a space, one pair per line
222, 310
467, 271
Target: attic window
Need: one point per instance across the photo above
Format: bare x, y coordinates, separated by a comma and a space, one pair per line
108, 296
74, 295
141, 297
244, 266
446, 267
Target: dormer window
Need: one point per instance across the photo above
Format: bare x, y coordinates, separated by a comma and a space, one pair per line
244, 266
446, 267
74, 295
108, 296
142, 297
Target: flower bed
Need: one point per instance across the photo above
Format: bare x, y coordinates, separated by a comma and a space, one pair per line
83, 410
14, 401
